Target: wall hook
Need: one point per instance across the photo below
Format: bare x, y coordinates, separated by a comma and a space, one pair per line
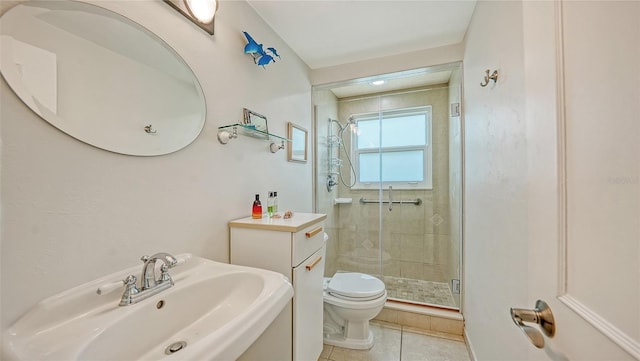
224, 136
149, 129
487, 77
274, 147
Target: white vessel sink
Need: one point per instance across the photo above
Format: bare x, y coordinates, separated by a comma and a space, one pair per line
215, 311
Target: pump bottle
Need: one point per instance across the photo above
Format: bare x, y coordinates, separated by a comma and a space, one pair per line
256, 211
270, 205
275, 202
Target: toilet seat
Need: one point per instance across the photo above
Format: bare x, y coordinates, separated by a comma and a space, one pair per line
355, 286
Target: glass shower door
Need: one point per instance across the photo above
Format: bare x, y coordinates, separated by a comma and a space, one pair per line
386, 179
395, 151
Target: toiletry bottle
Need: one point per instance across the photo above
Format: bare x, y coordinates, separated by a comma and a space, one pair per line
256, 211
270, 205
275, 202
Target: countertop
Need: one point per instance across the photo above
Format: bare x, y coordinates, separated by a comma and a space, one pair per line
298, 222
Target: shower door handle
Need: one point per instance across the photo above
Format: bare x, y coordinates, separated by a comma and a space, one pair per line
390, 199
540, 315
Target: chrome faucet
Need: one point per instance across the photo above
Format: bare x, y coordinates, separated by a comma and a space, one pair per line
149, 270
150, 285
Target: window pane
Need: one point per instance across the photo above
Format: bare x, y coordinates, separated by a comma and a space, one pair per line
397, 131
404, 130
368, 134
405, 166
369, 167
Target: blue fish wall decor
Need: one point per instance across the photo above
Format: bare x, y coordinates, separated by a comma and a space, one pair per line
257, 52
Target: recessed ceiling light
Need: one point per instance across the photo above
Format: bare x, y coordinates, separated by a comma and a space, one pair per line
377, 82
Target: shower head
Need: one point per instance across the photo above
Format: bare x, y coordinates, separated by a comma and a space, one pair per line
351, 121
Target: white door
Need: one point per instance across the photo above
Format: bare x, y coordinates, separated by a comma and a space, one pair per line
584, 190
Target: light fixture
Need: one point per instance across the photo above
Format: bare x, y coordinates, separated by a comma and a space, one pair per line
200, 12
203, 10
377, 82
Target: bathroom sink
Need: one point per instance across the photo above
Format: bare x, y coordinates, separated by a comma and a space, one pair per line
215, 311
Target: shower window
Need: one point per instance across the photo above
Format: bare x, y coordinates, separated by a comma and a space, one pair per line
394, 148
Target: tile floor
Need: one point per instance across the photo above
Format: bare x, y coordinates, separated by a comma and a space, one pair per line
394, 343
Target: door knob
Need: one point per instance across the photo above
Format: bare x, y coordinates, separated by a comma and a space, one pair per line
540, 315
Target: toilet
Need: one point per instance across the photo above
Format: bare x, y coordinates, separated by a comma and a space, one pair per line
351, 300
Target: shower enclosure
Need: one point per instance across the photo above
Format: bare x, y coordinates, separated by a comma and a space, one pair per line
388, 174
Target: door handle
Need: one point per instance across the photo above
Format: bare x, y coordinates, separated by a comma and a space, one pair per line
540, 315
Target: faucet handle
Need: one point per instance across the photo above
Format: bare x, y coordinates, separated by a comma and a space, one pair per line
165, 274
130, 283
145, 258
131, 289
110, 287
165, 269
176, 262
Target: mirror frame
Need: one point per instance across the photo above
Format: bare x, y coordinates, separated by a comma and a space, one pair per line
291, 157
133, 122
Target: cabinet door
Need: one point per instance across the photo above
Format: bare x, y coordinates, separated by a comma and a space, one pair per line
308, 307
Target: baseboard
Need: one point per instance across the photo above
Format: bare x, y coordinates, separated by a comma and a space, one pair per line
472, 354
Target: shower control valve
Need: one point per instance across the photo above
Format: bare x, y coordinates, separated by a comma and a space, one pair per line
331, 182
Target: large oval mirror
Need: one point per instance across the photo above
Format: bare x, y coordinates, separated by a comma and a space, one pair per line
100, 77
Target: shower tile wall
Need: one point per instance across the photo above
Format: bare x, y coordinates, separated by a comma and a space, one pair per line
416, 239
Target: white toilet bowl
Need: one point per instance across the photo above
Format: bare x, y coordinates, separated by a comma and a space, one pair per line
351, 300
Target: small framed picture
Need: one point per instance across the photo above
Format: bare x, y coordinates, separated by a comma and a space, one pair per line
258, 122
297, 150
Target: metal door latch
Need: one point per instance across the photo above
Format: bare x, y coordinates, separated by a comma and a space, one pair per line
540, 315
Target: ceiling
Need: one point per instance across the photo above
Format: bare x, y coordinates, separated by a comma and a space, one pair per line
326, 33
392, 82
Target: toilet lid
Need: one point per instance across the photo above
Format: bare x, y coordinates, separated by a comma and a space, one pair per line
355, 285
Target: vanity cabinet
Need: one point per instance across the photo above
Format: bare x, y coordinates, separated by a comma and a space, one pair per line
294, 247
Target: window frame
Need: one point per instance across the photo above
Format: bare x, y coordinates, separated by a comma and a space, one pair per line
427, 183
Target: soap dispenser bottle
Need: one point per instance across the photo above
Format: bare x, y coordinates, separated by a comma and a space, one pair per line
270, 205
275, 202
256, 211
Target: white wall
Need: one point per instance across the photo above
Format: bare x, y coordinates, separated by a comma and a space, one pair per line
72, 212
495, 219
